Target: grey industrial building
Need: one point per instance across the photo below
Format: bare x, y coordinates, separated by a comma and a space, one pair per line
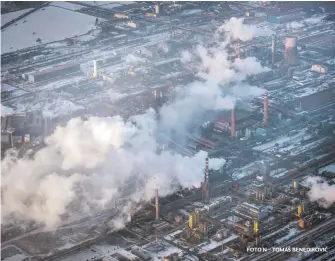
54, 72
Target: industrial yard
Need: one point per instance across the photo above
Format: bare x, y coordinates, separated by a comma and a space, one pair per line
136, 131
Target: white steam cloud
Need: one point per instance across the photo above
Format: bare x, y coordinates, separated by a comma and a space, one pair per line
132, 59
87, 164
321, 192
235, 29
109, 153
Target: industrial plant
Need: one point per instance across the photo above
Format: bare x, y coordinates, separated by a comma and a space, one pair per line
174, 131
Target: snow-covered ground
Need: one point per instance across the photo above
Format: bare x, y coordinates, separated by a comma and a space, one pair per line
49, 24
67, 5
190, 12
330, 168
5, 18
54, 108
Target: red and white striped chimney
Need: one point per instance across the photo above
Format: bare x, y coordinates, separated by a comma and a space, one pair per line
157, 204
206, 171
266, 107
233, 119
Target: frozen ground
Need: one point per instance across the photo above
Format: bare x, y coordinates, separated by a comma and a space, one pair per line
5, 18
50, 24
330, 168
67, 5
283, 141
54, 108
190, 12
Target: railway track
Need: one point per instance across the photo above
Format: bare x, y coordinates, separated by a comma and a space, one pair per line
315, 232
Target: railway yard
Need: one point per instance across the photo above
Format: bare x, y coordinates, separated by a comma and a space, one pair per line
262, 154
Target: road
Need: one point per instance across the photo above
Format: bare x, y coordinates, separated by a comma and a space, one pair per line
314, 232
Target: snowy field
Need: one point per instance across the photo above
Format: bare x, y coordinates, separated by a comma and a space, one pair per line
50, 24
5, 18
330, 168
67, 5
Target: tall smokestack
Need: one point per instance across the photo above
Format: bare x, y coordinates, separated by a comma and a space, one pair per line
238, 49
157, 204
233, 119
266, 106
157, 8
206, 171
46, 126
273, 49
95, 71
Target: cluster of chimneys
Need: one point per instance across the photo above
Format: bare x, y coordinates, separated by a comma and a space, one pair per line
233, 116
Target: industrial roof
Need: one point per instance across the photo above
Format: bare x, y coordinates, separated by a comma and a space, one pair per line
54, 69
325, 40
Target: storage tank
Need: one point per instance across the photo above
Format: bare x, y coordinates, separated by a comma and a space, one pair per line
219, 235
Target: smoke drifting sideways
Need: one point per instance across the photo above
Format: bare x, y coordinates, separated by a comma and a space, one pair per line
86, 165
235, 29
321, 192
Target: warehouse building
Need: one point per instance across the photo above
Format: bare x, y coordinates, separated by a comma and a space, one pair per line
54, 72
283, 16
251, 211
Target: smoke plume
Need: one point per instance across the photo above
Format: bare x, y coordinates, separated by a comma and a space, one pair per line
235, 29
87, 164
321, 192
132, 59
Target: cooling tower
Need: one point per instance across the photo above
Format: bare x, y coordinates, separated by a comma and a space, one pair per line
291, 52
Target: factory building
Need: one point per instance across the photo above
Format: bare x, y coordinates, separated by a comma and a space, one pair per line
316, 100
54, 72
319, 68
251, 211
122, 254
234, 122
141, 253
282, 16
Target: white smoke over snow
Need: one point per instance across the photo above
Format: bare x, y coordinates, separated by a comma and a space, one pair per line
307, 22
321, 192
88, 164
236, 30
132, 59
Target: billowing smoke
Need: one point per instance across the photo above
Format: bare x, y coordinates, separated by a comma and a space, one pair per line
87, 164
132, 59
321, 192
235, 29
113, 158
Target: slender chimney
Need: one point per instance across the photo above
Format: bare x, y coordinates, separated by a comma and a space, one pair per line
233, 119
206, 171
266, 106
207, 181
273, 49
238, 49
95, 72
157, 204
